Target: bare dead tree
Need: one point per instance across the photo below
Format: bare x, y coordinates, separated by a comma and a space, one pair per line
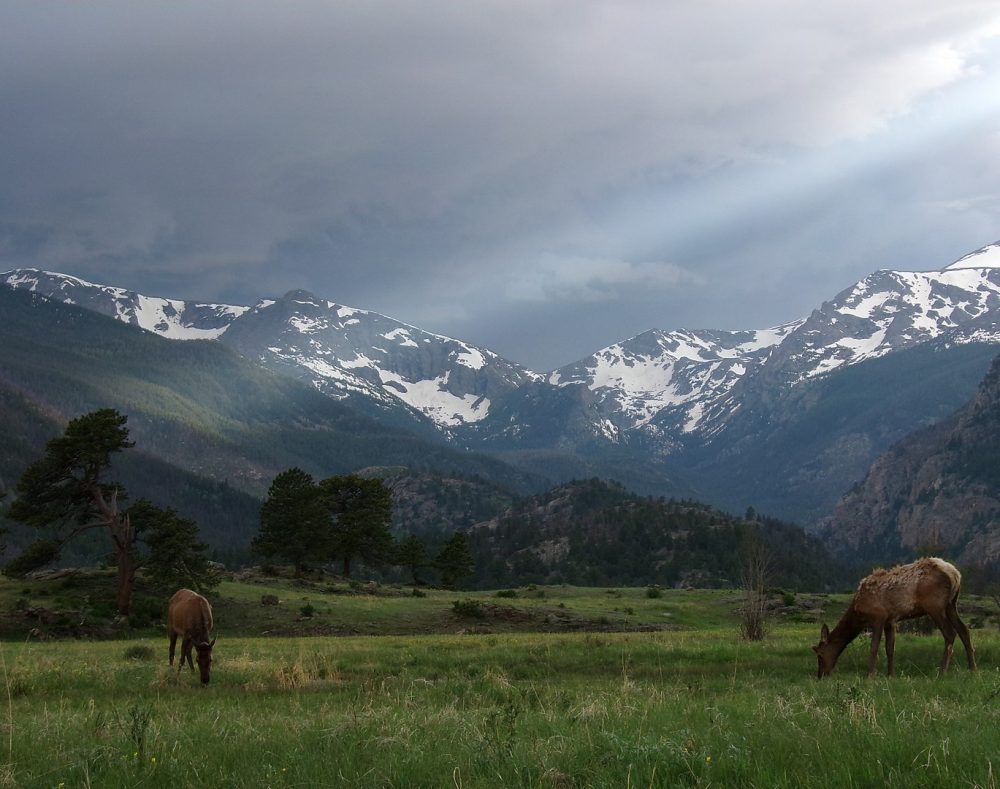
754, 582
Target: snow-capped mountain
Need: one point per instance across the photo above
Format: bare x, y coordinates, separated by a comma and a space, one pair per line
344, 352
684, 382
348, 352
659, 384
172, 318
783, 418
891, 310
987, 257
683, 372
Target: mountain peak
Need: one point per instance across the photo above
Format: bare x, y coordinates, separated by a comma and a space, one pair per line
987, 257
303, 296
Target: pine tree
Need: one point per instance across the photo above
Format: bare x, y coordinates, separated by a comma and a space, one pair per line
361, 510
455, 562
67, 491
294, 524
174, 557
412, 554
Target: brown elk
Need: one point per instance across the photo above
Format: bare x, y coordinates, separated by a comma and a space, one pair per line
927, 586
190, 616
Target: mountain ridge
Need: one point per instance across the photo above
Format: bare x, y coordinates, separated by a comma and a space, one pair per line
675, 382
664, 411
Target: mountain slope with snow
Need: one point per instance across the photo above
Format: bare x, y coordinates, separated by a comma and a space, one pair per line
684, 371
344, 352
170, 318
347, 352
987, 257
664, 387
780, 416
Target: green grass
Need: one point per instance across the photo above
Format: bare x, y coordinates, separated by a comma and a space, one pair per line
689, 706
340, 609
675, 708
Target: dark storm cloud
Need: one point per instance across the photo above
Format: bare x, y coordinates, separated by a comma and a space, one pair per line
580, 171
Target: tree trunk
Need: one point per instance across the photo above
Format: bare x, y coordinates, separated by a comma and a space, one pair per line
123, 537
126, 580
347, 567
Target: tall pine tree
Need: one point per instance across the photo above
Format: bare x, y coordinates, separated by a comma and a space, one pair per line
68, 492
361, 510
455, 562
294, 522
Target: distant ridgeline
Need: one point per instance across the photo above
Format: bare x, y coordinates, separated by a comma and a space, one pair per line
596, 533
212, 428
783, 419
222, 398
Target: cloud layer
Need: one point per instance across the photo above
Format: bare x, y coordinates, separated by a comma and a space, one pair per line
587, 170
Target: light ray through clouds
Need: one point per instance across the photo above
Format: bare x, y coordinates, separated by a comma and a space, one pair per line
500, 171
683, 215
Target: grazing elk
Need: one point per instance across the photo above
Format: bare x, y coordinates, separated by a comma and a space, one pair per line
927, 586
190, 616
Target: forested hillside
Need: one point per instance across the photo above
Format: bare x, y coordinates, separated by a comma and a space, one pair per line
793, 452
432, 505
203, 417
597, 533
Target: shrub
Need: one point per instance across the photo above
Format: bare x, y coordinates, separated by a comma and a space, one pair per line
652, 592
418, 592
506, 593
468, 608
307, 610
145, 611
139, 652
34, 556
269, 599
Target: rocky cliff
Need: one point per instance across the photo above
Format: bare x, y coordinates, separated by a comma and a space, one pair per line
938, 490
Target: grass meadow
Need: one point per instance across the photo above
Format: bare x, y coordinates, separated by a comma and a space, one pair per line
692, 705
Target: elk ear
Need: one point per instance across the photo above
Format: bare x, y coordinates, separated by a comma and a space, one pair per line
824, 635
211, 643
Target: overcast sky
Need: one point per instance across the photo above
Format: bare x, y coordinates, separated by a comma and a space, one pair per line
542, 177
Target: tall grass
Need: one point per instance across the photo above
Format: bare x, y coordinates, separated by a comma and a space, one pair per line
649, 709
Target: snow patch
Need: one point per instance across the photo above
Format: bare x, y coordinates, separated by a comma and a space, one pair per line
987, 257
471, 358
432, 398
402, 336
307, 325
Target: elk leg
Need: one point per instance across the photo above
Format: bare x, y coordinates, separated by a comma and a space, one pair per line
173, 644
185, 654
941, 620
873, 655
963, 632
890, 645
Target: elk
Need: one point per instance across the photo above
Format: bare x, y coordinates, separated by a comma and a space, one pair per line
190, 616
927, 586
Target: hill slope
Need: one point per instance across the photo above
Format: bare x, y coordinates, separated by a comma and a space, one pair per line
597, 533
784, 419
938, 488
194, 406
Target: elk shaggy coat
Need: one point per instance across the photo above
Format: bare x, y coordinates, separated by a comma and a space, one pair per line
927, 586
190, 616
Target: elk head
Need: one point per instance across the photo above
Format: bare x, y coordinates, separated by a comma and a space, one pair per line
204, 650
826, 654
